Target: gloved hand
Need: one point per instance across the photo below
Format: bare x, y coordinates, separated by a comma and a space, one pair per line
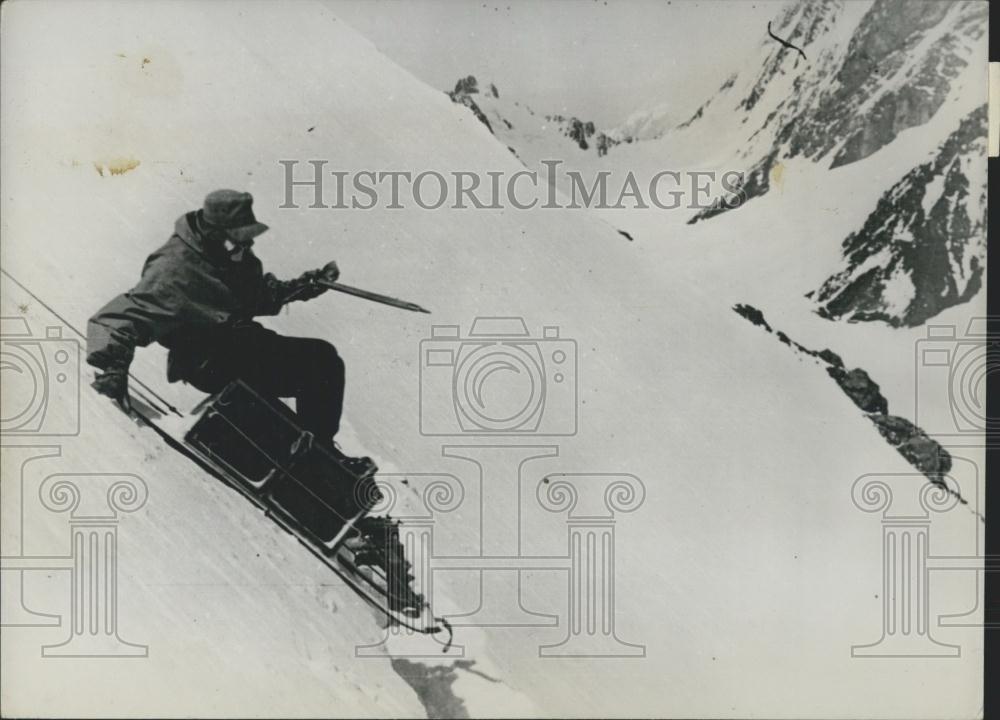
307, 285
113, 383
330, 272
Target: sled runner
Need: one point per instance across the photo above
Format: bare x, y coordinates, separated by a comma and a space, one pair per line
254, 445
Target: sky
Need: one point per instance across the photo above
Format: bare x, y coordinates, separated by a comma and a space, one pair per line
596, 59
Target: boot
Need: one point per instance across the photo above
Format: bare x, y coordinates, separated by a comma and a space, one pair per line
358, 466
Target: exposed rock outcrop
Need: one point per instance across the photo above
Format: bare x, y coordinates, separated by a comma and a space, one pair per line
465, 88
923, 248
515, 123
921, 451
858, 386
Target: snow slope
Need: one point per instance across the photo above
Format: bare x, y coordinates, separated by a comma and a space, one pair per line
747, 573
872, 72
791, 238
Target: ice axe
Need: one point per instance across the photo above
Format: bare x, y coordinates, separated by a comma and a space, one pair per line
330, 269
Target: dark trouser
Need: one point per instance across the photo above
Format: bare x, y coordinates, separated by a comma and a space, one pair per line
306, 369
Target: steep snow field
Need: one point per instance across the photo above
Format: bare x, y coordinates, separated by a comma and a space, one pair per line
747, 573
778, 247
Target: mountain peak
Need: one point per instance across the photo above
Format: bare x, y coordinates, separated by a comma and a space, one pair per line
873, 71
516, 123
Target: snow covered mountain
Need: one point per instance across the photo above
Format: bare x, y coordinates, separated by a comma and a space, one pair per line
871, 71
731, 574
647, 124
526, 131
881, 85
923, 249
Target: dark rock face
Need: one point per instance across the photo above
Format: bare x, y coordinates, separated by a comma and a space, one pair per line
923, 249
894, 73
465, 88
583, 133
480, 115
577, 130
830, 357
883, 44
752, 314
926, 455
920, 450
755, 182
800, 24
605, 143
860, 388
894, 429
913, 443
697, 116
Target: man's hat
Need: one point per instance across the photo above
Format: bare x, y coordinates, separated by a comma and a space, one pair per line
232, 211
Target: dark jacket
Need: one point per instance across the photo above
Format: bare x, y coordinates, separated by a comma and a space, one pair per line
189, 295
